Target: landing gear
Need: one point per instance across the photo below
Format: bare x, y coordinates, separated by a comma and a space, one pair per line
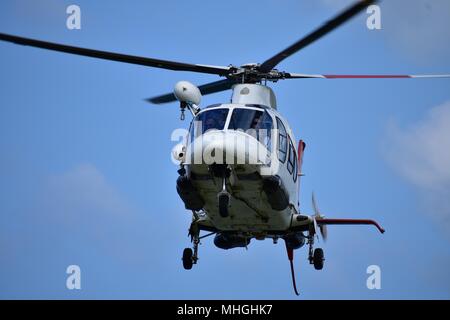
190, 256
187, 258
316, 257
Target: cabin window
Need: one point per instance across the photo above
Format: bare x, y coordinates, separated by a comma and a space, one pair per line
257, 123
209, 120
282, 141
291, 158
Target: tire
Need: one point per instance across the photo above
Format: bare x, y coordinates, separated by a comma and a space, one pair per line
224, 201
187, 258
318, 259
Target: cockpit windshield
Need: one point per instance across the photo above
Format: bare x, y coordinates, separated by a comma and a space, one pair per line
257, 123
212, 119
208, 120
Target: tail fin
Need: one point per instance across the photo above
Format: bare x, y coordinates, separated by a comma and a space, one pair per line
301, 149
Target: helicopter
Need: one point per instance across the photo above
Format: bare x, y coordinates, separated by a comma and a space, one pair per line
239, 166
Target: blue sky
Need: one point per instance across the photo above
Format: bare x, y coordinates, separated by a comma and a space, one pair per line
86, 175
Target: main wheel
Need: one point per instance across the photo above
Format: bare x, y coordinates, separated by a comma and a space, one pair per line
318, 259
224, 201
187, 258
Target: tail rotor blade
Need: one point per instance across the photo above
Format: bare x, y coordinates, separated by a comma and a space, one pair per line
314, 204
324, 231
317, 217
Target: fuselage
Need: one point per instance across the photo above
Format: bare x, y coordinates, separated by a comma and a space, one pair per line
256, 143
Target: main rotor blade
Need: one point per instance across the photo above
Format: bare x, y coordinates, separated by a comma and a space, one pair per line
205, 89
363, 76
332, 24
149, 62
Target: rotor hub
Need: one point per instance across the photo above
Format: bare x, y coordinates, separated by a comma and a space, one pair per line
252, 73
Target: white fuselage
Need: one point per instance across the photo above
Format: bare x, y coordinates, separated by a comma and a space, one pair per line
249, 158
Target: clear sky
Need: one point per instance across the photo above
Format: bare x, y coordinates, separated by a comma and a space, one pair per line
85, 170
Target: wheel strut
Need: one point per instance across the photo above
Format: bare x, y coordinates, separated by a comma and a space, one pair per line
196, 242
311, 249
194, 232
190, 256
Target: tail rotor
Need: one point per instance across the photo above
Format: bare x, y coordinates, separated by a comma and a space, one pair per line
318, 216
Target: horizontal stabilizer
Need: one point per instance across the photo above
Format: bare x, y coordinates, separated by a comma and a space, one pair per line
349, 222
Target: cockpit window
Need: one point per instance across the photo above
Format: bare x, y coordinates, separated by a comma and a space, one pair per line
257, 123
244, 119
209, 120
213, 119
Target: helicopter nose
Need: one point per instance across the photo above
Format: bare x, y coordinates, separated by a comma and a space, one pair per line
228, 147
